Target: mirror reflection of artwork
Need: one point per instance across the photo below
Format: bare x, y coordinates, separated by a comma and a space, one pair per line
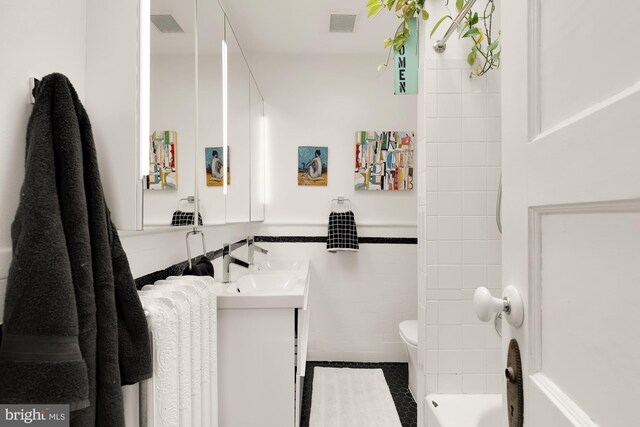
214, 158
384, 161
163, 161
312, 165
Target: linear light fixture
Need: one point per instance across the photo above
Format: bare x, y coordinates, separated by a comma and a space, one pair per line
144, 68
225, 142
196, 202
263, 152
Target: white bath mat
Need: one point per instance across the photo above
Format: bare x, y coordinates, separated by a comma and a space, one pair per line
344, 397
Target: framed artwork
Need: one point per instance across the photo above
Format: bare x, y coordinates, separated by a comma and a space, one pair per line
384, 161
163, 161
312, 165
214, 160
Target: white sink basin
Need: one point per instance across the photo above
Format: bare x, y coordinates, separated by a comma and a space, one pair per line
264, 284
268, 266
268, 284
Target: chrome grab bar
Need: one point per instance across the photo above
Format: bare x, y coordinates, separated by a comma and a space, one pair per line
441, 45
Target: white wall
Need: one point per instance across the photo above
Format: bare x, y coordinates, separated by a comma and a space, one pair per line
459, 246
36, 38
357, 299
322, 100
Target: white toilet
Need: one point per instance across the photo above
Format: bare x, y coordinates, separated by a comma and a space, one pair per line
409, 334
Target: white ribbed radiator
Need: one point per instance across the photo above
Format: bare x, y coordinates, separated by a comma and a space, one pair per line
182, 317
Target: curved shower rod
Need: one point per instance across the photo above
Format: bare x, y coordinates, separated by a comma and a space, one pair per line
441, 45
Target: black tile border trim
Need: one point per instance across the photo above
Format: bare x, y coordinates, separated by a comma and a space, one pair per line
177, 269
323, 239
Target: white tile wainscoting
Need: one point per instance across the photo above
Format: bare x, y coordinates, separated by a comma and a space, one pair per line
356, 299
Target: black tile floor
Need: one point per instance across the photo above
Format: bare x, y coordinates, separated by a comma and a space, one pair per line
396, 374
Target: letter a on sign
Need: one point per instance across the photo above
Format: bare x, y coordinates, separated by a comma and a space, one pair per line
405, 63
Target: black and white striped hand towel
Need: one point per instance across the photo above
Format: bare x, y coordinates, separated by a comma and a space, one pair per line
343, 232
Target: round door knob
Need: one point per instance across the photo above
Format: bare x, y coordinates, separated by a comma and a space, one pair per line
486, 304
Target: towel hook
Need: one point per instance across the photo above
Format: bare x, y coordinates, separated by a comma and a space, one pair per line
204, 248
34, 88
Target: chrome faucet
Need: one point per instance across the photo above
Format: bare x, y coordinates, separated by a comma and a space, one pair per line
252, 247
227, 260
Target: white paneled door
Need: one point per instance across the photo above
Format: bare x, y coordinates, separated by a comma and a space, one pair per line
571, 207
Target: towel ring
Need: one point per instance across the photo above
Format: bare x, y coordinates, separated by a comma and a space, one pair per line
190, 200
340, 200
204, 248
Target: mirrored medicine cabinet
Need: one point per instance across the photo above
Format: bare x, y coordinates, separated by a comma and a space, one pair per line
192, 138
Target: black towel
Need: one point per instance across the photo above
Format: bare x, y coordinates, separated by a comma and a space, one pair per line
74, 329
200, 267
343, 232
181, 218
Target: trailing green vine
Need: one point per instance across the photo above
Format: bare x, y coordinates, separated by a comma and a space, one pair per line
484, 54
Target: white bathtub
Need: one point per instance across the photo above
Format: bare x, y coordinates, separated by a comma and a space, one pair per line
464, 410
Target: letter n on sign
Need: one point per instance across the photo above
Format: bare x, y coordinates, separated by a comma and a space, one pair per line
405, 63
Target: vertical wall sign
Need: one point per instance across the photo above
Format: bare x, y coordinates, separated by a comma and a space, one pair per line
405, 63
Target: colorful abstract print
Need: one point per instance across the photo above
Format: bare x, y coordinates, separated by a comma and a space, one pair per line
384, 161
163, 159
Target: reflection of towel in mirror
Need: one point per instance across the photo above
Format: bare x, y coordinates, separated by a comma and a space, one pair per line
181, 218
343, 232
74, 329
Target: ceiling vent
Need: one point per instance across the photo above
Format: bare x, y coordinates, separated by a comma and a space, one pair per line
342, 22
166, 24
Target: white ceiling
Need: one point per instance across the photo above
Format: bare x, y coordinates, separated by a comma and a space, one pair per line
302, 26
273, 26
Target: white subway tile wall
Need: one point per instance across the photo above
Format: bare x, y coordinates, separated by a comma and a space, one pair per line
460, 247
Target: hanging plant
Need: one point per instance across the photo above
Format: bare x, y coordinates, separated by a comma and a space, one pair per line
484, 54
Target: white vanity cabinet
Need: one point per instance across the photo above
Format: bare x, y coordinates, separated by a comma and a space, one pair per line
262, 352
